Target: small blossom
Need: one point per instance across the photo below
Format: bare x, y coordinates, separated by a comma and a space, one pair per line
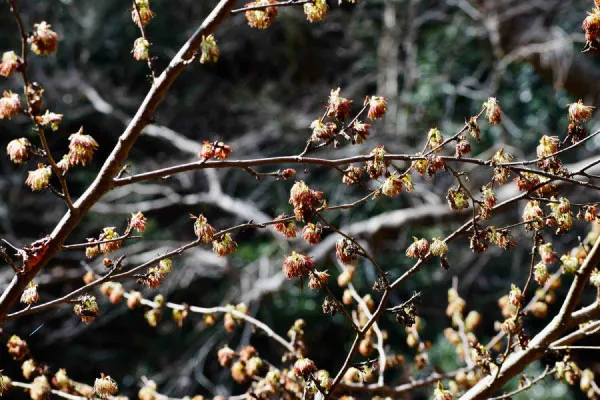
28, 368
377, 106
263, 17
587, 377
569, 264
81, 148
420, 165
515, 296
510, 325
30, 295
40, 388
209, 51
288, 173
109, 234
591, 213
322, 130
458, 199
142, 13
352, 175
226, 356
378, 164
578, 112
64, 165
10, 62
360, 132
44, 40
39, 179
49, 119
533, 213
408, 182
392, 186
138, 222
87, 308
203, 230
18, 150
153, 317
141, 49
222, 151
548, 145
105, 386
288, 228
166, 266
546, 253
346, 250
418, 249
441, 394
5, 384
10, 105
297, 265
303, 366
92, 251
312, 232
134, 299
489, 196
492, 111
207, 151
438, 247
305, 201
591, 25
473, 128
338, 107
224, 246
316, 10
435, 138
238, 370
318, 279
17, 347
540, 273
463, 147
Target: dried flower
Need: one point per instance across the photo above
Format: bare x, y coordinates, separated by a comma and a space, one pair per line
492, 111
30, 295
316, 10
418, 249
209, 51
10, 105
44, 40
138, 222
18, 150
10, 63
224, 246
377, 106
203, 230
141, 49
288, 228
39, 179
338, 107
297, 265
105, 386
142, 13
263, 17
81, 148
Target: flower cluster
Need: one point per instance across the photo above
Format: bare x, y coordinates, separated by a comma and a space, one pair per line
305, 201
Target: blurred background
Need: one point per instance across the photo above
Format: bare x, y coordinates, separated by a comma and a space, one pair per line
435, 61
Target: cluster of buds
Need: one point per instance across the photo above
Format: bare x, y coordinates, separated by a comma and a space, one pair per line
561, 215
360, 132
435, 139
44, 41
501, 174
30, 295
230, 320
134, 299
534, 215
209, 51
418, 249
588, 213
224, 245
473, 128
305, 201
488, 196
492, 111
323, 131
10, 105
567, 371
377, 107
155, 275
458, 198
569, 264
179, 315
262, 17
113, 290
202, 229
297, 265
137, 222
318, 279
527, 181
392, 186
338, 107
578, 112
287, 227
352, 175
548, 146
312, 232
315, 10
378, 165
546, 253
141, 49
10, 63
19, 150
81, 148
153, 315
40, 178
108, 237
502, 238
40, 388
105, 387
346, 250
86, 308
17, 348
141, 14
50, 120
5, 384
541, 274
218, 150
463, 147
